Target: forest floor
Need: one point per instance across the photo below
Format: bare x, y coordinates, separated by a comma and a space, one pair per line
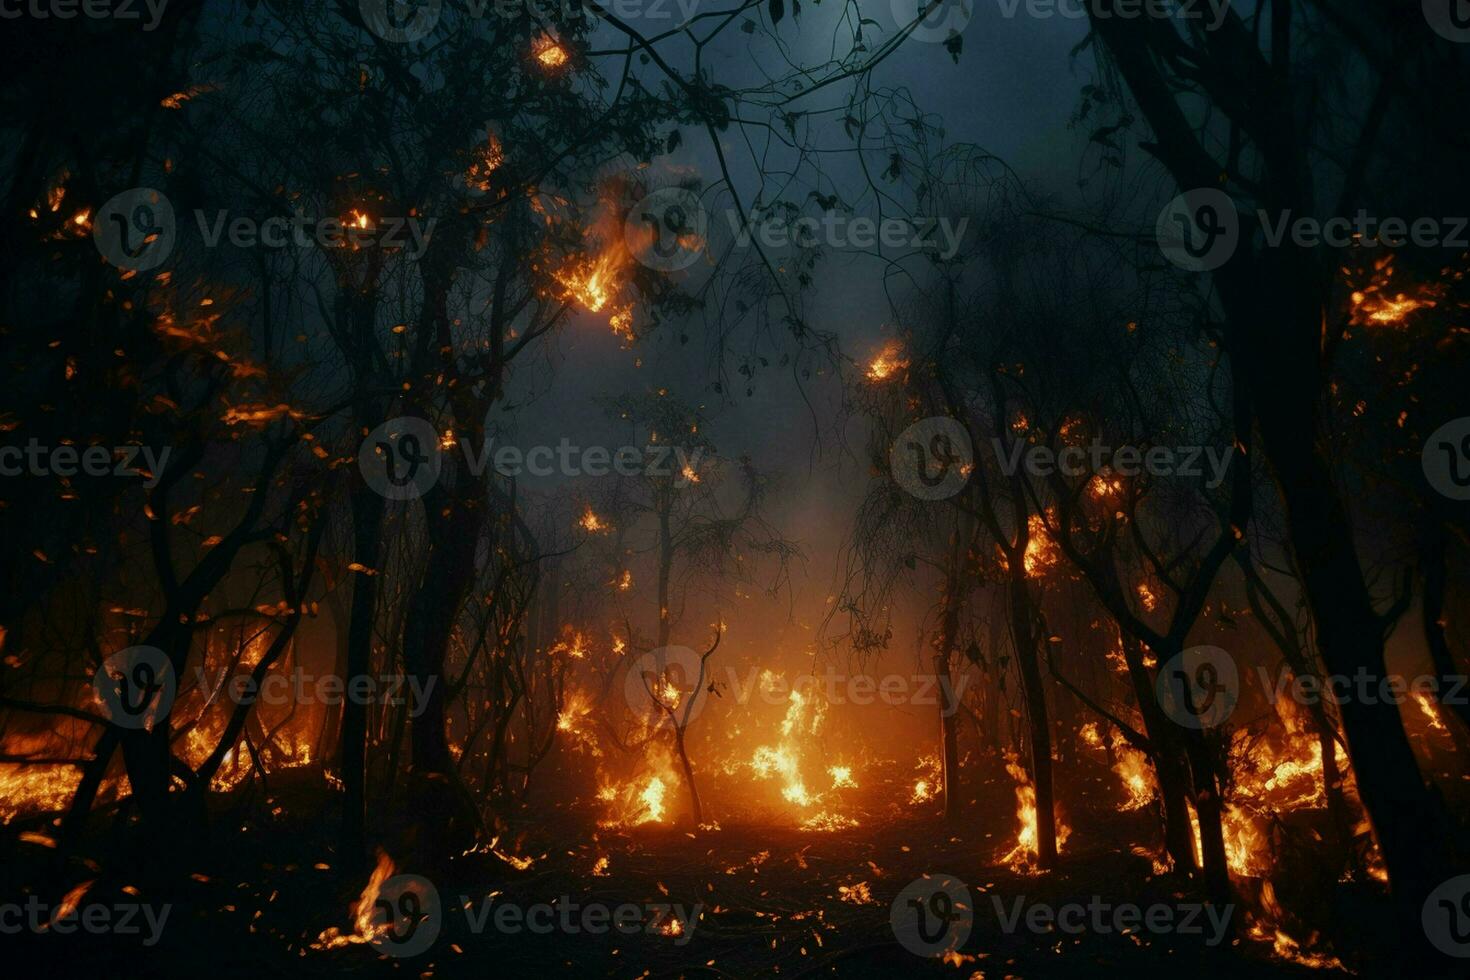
772, 901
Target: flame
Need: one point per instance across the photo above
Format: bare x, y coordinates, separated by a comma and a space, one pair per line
1147, 598
926, 787
69, 902
489, 159
889, 362
364, 929
1105, 487
591, 523
1021, 856
549, 52
1427, 708
1373, 306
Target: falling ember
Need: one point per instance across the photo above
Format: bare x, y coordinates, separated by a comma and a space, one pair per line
364, 928
889, 362
67, 907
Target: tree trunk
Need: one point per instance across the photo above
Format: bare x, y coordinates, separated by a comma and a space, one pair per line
367, 521
1025, 640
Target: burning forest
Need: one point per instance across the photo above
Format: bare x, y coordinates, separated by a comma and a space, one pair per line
757, 489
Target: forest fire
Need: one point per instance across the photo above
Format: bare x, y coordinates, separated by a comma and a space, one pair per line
552, 492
